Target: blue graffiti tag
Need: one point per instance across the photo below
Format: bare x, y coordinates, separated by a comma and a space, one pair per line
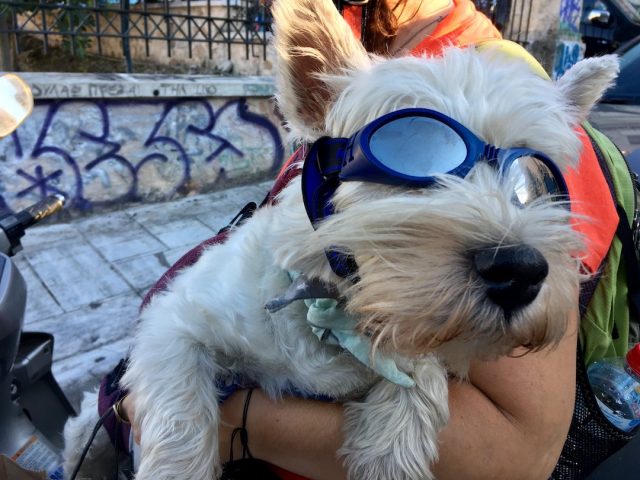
164, 143
570, 13
567, 55
41, 149
40, 181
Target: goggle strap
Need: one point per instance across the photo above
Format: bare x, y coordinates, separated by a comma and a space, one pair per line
490, 153
331, 154
320, 176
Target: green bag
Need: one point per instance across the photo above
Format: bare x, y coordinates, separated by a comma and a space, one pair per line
610, 323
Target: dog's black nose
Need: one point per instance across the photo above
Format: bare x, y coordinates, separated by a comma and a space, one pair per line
513, 275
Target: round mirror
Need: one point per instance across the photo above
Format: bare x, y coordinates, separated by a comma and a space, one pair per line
418, 146
16, 103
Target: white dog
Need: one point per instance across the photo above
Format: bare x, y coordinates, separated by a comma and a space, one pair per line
433, 288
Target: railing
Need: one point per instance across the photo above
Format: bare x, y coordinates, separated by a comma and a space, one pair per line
77, 24
512, 17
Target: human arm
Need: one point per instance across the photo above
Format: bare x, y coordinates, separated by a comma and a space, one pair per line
509, 421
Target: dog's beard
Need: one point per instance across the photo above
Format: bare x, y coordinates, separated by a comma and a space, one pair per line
417, 288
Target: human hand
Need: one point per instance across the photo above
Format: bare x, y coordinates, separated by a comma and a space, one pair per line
128, 413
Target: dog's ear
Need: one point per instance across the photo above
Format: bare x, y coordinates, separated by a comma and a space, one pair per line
312, 41
585, 82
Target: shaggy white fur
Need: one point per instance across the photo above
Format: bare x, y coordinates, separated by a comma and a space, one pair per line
418, 295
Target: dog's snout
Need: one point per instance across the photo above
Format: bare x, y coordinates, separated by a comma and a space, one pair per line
512, 275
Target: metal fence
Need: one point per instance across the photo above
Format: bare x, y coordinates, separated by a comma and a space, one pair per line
78, 24
512, 17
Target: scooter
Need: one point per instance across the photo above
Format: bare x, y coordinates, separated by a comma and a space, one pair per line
33, 408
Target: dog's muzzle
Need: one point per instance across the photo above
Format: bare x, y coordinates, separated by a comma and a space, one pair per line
512, 275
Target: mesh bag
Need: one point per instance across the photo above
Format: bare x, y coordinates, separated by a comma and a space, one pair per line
591, 437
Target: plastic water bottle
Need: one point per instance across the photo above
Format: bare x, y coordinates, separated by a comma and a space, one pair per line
616, 385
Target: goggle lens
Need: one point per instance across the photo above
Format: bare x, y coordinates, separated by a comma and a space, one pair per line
533, 179
427, 147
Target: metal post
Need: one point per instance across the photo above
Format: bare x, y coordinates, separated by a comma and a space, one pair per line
7, 47
167, 20
146, 27
45, 37
189, 35
98, 31
124, 31
209, 21
229, 29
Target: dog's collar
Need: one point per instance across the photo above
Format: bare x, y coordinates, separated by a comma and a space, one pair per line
331, 324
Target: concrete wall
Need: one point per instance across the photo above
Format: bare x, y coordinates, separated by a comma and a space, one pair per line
106, 140
542, 20
552, 32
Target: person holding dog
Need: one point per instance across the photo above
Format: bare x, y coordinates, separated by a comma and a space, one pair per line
511, 418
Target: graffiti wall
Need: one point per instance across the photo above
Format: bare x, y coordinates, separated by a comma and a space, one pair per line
102, 152
570, 11
569, 47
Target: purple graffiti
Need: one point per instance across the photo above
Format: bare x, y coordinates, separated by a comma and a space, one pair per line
40, 181
109, 151
570, 13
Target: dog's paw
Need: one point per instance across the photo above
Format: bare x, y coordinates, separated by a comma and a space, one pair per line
393, 433
179, 449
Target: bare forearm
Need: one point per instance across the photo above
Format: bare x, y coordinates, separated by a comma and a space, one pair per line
510, 421
483, 442
301, 436
480, 442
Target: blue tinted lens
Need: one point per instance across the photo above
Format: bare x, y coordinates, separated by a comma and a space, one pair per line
418, 146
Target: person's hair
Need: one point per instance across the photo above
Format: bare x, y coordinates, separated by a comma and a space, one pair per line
382, 25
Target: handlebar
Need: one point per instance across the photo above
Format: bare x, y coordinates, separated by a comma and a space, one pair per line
12, 226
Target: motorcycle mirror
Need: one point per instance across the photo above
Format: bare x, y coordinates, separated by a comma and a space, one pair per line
16, 103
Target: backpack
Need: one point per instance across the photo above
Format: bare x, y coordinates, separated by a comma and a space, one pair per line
609, 307
610, 321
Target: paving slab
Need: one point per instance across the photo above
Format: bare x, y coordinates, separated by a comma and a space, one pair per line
40, 302
180, 232
226, 202
83, 372
88, 328
46, 236
86, 278
117, 236
75, 274
142, 271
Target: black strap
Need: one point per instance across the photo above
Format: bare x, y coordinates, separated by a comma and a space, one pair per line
246, 212
632, 267
242, 431
624, 232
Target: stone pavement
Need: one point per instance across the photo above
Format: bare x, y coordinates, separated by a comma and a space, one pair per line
86, 278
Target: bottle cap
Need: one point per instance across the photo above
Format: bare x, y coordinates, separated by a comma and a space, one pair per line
633, 359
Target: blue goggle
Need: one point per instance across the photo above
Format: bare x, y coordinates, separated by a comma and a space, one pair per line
411, 147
